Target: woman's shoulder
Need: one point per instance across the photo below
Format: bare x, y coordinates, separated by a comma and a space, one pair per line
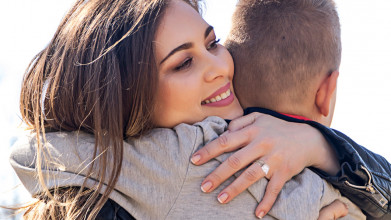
25, 146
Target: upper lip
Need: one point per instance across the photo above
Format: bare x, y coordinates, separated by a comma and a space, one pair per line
219, 91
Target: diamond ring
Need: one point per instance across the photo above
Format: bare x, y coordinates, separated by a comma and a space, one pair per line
265, 168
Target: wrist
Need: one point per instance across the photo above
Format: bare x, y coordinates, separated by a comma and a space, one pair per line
323, 155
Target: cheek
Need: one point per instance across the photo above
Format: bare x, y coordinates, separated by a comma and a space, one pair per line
165, 94
177, 101
178, 94
163, 106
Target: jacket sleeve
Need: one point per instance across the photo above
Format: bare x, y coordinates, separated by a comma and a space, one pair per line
365, 177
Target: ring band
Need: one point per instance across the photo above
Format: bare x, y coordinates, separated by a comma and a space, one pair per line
265, 168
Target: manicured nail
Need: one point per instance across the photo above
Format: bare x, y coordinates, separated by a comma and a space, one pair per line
206, 186
223, 197
261, 215
195, 158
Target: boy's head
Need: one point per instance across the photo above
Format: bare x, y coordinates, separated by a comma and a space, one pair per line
287, 55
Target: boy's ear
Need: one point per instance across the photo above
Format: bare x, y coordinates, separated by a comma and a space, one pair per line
325, 93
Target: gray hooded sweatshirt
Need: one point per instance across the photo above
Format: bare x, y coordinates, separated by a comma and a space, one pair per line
158, 181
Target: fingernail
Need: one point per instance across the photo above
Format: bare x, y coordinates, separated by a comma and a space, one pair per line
206, 186
261, 215
223, 197
195, 158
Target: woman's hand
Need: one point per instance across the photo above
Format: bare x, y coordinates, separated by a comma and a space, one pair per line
287, 148
335, 210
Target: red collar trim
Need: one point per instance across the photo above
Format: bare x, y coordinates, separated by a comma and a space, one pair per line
297, 117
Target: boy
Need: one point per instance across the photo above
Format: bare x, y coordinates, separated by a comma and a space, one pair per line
287, 56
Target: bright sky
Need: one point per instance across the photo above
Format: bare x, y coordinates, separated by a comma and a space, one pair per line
364, 94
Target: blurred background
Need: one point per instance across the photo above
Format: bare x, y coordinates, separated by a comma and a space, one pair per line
363, 109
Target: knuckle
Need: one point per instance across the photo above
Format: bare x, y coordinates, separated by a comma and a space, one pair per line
287, 170
207, 152
233, 124
215, 178
277, 158
267, 204
234, 162
251, 175
255, 114
274, 191
269, 141
248, 133
252, 131
223, 141
234, 190
266, 143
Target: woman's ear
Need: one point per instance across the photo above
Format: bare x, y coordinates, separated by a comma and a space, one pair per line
326, 93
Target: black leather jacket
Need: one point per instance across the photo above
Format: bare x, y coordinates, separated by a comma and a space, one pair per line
365, 177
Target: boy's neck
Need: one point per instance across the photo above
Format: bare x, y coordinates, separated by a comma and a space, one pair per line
300, 113
306, 108
296, 116
308, 117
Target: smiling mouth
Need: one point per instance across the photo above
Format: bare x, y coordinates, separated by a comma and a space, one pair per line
217, 98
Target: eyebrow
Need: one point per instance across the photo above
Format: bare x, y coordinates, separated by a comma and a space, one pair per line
186, 46
207, 31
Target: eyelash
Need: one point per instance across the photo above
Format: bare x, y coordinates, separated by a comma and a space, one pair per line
189, 60
213, 44
185, 64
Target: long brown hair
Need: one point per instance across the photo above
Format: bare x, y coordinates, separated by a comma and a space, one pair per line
98, 75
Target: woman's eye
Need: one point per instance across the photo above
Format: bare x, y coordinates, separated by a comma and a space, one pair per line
184, 65
213, 44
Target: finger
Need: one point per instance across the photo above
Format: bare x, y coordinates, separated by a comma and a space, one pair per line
272, 190
230, 166
227, 142
335, 210
245, 180
341, 209
242, 122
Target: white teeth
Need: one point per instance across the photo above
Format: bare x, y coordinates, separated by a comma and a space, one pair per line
220, 97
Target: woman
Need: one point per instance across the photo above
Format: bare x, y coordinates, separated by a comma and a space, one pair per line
98, 78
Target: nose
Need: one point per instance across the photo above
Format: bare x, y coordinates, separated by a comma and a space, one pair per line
217, 66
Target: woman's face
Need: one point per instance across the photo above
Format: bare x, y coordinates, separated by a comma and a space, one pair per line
195, 72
